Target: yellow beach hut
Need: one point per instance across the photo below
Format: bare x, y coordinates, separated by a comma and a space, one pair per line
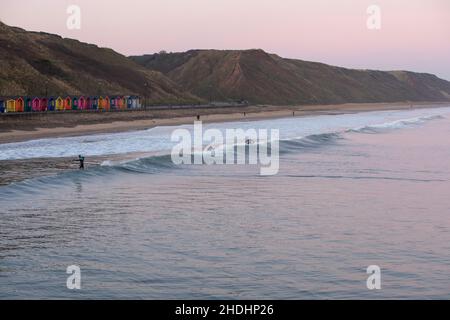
11, 105
59, 105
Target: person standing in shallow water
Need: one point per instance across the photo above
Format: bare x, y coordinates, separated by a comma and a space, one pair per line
81, 160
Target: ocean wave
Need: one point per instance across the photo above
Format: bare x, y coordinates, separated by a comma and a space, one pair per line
151, 164
158, 139
291, 143
396, 124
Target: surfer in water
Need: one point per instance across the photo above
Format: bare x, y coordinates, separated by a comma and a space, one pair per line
81, 160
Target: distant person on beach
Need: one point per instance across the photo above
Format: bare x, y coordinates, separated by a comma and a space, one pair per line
198, 117
81, 160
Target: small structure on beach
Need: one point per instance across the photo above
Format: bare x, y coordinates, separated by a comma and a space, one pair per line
107, 103
11, 105
104, 103
68, 103
59, 104
81, 103
74, 103
94, 103
129, 102
43, 104
113, 103
20, 105
36, 104
101, 102
28, 104
121, 103
89, 103
51, 104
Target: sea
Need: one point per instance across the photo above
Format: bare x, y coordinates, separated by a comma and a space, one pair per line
352, 191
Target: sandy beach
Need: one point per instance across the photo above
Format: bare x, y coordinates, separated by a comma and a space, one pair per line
22, 127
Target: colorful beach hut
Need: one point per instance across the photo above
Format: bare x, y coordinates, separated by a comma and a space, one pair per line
74, 103
121, 103
2, 106
107, 103
43, 104
59, 104
94, 103
100, 103
113, 103
68, 103
104, 103
20, 105
11, 105
28, 104
35, 104
88, 103
129, 101
51, 104
82, 103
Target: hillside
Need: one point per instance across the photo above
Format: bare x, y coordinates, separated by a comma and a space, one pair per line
259, 77
36, 63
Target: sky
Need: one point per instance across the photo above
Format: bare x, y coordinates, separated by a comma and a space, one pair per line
414, 34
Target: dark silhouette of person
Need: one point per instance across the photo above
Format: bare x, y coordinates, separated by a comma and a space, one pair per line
81, 160
198, 117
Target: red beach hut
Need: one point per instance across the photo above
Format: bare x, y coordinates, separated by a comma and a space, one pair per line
20, 104
82, 103
43, 104
67, 103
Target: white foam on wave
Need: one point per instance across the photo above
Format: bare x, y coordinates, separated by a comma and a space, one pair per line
157, 139
398, 124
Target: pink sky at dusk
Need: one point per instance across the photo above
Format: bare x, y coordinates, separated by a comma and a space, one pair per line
414, 35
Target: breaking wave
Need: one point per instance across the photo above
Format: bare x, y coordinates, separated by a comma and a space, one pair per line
155, 164
397, 124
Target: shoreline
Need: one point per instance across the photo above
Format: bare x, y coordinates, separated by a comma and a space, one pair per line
39, 126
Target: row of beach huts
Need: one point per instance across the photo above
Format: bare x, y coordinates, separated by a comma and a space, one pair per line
42, 104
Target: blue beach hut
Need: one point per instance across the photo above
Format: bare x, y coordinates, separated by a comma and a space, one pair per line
51, 104
129, 102
2, 105
94, 102
113, 102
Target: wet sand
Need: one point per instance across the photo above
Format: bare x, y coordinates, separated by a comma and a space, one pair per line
22, 127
